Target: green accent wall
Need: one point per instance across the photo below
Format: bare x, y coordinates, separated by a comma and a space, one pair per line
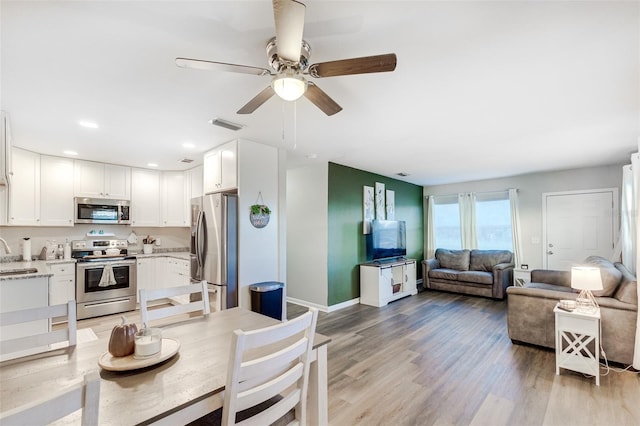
346, 242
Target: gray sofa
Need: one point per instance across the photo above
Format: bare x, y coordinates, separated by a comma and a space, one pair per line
531, 319
477, 272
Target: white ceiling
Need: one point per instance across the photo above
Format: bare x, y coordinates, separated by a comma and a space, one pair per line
481, 89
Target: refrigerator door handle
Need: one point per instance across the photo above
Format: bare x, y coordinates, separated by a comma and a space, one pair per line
200, 240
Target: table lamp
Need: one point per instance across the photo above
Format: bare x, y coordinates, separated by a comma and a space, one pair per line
585, 279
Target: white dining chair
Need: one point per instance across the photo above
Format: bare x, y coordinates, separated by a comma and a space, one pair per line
41, 340
150, 295
267, 365
84, 395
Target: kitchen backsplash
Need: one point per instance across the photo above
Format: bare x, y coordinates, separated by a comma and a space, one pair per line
171, 239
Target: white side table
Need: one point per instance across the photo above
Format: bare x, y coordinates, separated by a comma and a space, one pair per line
521, 277
578, 342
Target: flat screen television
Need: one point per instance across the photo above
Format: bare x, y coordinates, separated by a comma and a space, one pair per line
388, 239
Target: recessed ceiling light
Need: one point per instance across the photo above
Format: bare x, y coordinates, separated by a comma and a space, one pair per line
188, 145
88, 124
69, 152
152, 165
312, 156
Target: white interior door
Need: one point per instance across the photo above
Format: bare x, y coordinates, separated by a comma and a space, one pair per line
578, 225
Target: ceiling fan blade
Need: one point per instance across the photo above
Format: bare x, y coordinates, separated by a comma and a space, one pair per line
321, 100
199, 64
366, 64
289, 20
258, 100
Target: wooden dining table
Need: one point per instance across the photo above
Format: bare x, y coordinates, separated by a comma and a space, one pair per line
181, 389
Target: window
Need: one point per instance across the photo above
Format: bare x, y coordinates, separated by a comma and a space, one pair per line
492, 217
446, 222
493, 222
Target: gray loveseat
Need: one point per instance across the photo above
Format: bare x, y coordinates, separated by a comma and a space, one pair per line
477, 272
531, 319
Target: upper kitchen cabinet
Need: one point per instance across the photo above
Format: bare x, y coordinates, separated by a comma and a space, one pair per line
41, 191
98, 180
56, 191
24, 191
175, 208
221, 169
146, 206
195, 177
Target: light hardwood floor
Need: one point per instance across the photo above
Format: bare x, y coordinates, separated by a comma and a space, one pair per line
438, 358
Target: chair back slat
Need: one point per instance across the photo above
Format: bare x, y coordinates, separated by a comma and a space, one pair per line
149, 295
41, 340
267, 365
85, 396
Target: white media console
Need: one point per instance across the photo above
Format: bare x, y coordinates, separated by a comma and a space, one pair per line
383, 281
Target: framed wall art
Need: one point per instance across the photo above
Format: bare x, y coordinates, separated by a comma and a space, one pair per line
368, 208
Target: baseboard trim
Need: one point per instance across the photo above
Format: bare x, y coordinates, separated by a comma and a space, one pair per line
323, 308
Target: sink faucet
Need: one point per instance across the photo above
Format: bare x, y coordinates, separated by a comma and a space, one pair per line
7, 250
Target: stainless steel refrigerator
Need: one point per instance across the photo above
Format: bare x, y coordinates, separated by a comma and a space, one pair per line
214, 245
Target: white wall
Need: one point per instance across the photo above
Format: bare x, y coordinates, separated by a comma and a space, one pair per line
307, 233
530, 189
259, 254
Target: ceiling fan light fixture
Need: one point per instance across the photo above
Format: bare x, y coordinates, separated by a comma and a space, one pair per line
289, 86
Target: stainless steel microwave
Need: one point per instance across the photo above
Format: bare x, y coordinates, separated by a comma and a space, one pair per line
98, 210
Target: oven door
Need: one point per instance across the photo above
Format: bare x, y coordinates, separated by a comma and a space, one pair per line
89, 277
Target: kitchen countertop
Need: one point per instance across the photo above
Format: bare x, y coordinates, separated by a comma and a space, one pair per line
40, 265
184, 255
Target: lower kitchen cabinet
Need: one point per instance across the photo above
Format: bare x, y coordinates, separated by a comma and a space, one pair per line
18, 294
62, 285
161, 272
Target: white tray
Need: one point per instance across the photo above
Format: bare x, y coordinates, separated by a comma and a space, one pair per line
125, 363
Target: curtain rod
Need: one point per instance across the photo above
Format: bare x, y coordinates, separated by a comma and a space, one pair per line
483, 192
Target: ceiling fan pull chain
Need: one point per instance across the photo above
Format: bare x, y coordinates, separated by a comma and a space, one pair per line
295, 124
282, 110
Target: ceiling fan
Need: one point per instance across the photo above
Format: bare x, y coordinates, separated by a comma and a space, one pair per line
288, 55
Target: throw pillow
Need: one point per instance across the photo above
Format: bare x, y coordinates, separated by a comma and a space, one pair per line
485, 260
453, 259
611, 277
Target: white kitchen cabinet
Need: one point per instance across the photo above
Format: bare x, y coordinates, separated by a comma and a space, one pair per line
178, 272
18, 294
62, 285
384, 282
175, 203
195, 182
145, 274
24, 191
56, 191
221, 168
146, 206
99, 180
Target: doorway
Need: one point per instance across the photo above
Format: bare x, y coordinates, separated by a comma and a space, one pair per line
578, 224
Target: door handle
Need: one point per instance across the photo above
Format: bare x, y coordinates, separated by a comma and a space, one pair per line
549, 252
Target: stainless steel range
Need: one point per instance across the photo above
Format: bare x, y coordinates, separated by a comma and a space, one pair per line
105, 277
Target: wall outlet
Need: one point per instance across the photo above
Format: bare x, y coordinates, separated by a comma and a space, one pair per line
535, 240
158, 241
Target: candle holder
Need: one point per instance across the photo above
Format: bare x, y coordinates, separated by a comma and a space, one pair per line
148, 342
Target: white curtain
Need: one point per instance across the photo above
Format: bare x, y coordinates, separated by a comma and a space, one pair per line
635, 166
516, 235
430, 238
629, 214
467, 205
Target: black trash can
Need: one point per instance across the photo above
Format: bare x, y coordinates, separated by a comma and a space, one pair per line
266, 298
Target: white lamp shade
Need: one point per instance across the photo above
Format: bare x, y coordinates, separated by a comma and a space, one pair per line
586, 278
289, 86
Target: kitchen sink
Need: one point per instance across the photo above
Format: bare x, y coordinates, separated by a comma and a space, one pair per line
20, 271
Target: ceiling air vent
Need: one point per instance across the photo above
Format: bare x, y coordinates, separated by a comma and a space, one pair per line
186, 160
226, 124
402, 174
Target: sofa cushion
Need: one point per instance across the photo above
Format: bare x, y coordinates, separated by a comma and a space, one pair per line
627, 291
453, 259
478, 277
611, 276
485, 260
444, 274
546, 286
